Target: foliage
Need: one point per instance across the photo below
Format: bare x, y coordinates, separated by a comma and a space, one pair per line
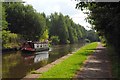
55, 40
24, 20
68, 67
4, 22
102, 38
66, 29
105, 18
92, 36
9, 40
44, 36
115, 62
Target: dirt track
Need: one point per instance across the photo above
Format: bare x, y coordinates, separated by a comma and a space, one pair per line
97, 66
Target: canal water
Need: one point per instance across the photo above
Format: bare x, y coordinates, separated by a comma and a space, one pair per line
16, 64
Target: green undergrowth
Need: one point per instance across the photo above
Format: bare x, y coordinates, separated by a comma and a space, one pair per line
115, 62
68, 67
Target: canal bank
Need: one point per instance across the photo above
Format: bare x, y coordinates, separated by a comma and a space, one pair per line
38, 73
64, 67
10, 49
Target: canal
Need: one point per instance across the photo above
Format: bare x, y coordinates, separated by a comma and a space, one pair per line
16, 64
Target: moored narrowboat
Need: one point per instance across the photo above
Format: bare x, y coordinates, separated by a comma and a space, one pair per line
35, 46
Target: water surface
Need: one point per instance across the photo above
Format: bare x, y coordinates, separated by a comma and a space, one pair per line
16, 64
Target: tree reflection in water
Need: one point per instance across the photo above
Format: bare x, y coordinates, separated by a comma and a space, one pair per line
17, 64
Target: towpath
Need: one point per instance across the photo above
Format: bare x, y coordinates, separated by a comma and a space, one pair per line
97, 66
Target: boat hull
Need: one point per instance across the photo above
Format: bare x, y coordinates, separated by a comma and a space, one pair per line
36, 50
41, 49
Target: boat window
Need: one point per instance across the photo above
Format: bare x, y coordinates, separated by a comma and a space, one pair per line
45, 45
41, 45
37, 45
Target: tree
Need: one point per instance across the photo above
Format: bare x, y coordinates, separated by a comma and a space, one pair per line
92, 36
3, 21
63, 32
55, 40
58, 27
105, 18
24, 20
8, 38
64, 27
44, 36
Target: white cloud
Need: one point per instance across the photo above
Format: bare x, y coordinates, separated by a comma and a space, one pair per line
48, 10
66, 7
79, 18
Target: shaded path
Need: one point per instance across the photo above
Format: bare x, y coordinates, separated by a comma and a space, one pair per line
97, 66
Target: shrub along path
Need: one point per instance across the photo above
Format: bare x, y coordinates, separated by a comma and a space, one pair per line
97, 66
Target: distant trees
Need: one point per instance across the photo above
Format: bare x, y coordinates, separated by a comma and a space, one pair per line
92, 36
24, 22
58, 27
55, 40
66, 30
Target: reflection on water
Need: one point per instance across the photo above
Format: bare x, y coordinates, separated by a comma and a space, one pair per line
41, 56
17, 64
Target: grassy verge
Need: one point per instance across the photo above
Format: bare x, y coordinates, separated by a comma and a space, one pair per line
69, 66
115, 62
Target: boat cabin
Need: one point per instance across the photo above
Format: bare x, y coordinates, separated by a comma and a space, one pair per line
34, 46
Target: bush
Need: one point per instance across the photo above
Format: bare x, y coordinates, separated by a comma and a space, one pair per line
9, 40
55, 40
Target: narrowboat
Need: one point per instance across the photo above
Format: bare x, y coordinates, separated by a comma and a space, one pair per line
30, 46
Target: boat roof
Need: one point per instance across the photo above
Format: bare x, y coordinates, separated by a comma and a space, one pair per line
37, 42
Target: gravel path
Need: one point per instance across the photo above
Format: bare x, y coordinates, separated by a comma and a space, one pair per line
96, 67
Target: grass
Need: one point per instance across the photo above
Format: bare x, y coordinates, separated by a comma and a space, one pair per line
68, 67
104, 44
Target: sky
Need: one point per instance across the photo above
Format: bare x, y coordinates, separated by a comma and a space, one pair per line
66, 7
